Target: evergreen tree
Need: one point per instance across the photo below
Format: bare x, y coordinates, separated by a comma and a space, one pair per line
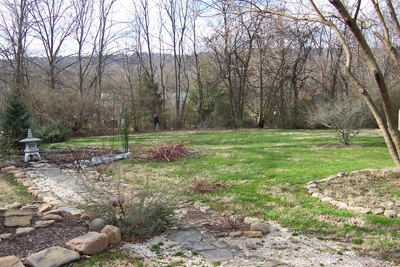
16, 122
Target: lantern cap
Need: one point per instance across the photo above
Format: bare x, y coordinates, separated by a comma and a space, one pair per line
30, 138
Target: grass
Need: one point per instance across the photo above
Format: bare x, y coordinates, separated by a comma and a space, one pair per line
11, 192
264, 171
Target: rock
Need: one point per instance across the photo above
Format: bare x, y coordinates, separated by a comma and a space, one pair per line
8, 169
56, 203
96, 161
365, 210
185, 236
45, 208
20, 180
390, 213
316, 194
106, 160
52, 257
20, 175
24, 231
3, 210
53, 217
42, 195
44, 224
128, 155
56, 212
252, 234
17, 218
5, 237
360, 210
377, 211
235, 234
88, 244
251, 220
113, 233
217, 255
28, 183
14, 206
205, 208
340, 205
310, 186
263, 227
76, 213
29, 207
97, 224
187, 227
10, 261
197, 205
389, 205
326, 199
274, 263
313, 190
48, 199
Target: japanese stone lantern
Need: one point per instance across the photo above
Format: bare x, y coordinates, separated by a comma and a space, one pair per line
31, 146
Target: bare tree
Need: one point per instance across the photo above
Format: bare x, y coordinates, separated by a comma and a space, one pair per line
352, 16
104, 36
85, 55
53, 23
143, 28
15, 23
178, 15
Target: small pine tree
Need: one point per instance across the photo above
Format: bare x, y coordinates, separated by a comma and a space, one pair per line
16, 122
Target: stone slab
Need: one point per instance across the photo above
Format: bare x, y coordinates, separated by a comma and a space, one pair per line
186, 236
20, 221
10, 261
200, 246
52, 257
217, 255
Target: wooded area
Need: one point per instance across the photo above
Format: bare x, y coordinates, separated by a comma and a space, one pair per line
198, 64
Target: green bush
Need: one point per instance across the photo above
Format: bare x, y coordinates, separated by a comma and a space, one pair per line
56, 132
15, 125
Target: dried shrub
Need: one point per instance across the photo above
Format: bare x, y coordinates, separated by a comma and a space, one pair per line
234, 218
201, 186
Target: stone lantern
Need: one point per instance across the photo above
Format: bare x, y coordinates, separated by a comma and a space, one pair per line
31, 146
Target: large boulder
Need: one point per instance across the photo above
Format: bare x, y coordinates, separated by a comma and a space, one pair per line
88, 244
113, 233
52, 257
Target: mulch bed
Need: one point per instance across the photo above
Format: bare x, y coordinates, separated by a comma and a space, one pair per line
41, 238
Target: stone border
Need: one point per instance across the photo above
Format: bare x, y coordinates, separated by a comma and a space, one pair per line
313, 190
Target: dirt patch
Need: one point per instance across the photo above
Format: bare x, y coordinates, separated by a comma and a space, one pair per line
337, 145
367, 189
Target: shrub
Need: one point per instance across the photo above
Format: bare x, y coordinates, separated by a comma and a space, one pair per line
15, 125
56, 132
138, 215
343, 114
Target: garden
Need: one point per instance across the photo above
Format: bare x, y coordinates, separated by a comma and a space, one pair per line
262, 173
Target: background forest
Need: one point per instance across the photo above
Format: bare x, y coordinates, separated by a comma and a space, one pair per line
78, 64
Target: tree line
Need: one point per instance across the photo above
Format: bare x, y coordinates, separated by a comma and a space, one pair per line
198, 64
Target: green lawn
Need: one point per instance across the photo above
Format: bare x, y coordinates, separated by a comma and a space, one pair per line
264, 173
